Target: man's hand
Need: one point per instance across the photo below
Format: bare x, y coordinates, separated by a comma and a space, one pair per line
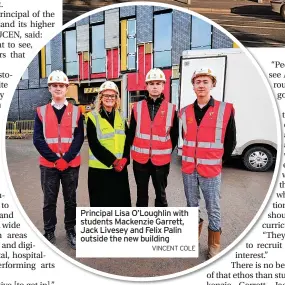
61, 164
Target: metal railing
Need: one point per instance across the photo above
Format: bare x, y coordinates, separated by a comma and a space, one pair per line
19, 129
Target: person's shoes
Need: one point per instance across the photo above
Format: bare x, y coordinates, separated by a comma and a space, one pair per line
214, 243
71, 238
50, 237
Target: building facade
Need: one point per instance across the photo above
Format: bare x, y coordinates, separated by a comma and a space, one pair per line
121, 45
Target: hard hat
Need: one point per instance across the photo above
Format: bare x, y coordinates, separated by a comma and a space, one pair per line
204, 72
155, 74
108, 85
58, 76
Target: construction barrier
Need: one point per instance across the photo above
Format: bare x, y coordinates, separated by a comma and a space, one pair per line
19, 129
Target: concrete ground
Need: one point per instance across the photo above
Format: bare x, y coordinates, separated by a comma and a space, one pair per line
242, 195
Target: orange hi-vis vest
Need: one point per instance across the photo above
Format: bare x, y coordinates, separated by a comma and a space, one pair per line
203, 145
59, 136
152, 138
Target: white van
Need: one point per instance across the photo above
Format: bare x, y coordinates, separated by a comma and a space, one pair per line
238, 82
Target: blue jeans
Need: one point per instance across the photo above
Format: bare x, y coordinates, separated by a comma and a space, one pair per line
210, 188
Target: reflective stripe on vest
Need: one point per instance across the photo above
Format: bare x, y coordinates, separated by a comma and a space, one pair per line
153, 151
187, 158
209, 161
140, 150
63, 140
189, 143
202, 160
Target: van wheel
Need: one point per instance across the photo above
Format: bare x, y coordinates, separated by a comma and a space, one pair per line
282, 12
258, 159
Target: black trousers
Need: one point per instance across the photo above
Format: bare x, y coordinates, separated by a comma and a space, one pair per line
108, 188
158, 174
50, 181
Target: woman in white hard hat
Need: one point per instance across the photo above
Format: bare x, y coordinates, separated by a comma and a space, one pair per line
153, 135
58, 137
108, 182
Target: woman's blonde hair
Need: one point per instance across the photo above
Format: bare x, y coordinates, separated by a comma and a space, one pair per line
99, 104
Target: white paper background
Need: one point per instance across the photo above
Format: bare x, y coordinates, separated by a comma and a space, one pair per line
68, 273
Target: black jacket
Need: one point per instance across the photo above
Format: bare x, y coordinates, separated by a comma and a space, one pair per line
153, 107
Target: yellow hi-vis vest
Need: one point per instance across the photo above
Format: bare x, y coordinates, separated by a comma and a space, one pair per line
111, 138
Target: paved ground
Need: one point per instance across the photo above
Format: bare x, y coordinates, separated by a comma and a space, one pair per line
254, 24
242, 194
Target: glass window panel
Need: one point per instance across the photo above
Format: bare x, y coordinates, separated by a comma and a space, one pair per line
70, 46
175, 92
98, 49
98, 65
132, 45
25, 74
72, 68
162, 32
48, 69
48, 54
131, 62
136, 96
201, 33
98, 41
162, 59
131, 27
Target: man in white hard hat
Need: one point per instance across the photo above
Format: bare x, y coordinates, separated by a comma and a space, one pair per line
153, 135
58, 137
209, 139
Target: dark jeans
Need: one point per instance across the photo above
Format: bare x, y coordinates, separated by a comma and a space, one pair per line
158, 175
50, 181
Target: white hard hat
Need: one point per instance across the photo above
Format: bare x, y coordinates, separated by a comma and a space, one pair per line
58, 76
155, 74
206, 72
108, 85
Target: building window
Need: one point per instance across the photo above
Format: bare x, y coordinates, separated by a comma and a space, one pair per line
162, 40
201, 34
48, 59
131, 44
45, 57
98, 49
25, 75
71, 57
175, 92
135, 96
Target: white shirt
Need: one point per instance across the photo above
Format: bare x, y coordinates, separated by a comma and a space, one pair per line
59, 106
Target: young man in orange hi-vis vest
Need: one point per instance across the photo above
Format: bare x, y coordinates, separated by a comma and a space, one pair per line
153, 136
58, 137
209, 135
